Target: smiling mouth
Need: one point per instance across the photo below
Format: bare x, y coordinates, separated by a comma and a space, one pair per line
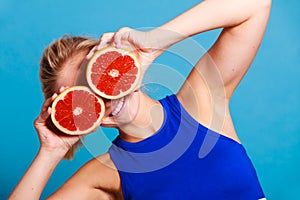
118, 108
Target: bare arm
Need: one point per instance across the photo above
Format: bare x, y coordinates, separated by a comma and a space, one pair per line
98, 179
209, 87
36, 177
95, 180
244, 24
52, 150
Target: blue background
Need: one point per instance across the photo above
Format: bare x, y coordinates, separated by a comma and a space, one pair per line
265, 107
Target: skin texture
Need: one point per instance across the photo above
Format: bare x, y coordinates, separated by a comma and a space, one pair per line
203, 95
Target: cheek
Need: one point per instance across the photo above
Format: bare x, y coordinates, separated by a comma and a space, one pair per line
67, 80
133, 110
130, 111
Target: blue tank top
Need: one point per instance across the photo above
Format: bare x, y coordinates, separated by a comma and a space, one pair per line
184, 160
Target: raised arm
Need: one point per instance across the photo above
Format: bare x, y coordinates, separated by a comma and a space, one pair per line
52, 150
34, 180
244, 24
95, 180
210, 85
207, 90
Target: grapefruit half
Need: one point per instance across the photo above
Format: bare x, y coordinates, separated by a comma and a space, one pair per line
77, 111
113, 73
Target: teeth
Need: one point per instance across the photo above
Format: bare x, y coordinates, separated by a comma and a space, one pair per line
118, 107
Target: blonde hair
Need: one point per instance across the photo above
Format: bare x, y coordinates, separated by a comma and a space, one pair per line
52, 61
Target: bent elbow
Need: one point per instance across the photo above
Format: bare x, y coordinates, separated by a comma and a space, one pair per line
261, 6
265, 4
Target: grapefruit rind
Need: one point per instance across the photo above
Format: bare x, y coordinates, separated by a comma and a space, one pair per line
123, 52
61, 96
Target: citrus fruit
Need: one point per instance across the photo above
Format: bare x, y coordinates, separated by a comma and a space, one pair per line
113, 73
77, 110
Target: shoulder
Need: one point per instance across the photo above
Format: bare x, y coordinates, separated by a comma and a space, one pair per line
102, 172
98, 178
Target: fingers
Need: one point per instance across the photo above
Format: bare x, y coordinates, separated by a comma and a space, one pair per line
46, 107
91, 53
49, 101
62, 88
45, 111
120, 35
105, 40
127, 38
111, 39
45, 114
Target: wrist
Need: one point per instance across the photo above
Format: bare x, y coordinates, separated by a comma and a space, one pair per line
54, 155
163, 38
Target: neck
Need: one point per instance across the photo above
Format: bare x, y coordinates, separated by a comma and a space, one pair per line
148, 120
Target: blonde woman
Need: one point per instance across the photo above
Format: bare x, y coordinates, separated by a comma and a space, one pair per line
140, 164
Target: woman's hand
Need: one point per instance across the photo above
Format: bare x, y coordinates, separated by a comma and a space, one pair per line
51, 139
143, 44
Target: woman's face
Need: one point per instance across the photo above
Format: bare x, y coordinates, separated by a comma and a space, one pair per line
118, 112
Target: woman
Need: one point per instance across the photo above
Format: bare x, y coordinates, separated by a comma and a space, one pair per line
223, 171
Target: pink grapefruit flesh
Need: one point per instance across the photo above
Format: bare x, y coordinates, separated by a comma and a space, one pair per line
113, 73
77, 111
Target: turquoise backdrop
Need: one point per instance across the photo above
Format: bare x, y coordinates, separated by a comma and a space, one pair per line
265, 107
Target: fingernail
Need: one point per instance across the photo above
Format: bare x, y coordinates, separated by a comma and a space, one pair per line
62, 88
54, 95
89, 56
99, 47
